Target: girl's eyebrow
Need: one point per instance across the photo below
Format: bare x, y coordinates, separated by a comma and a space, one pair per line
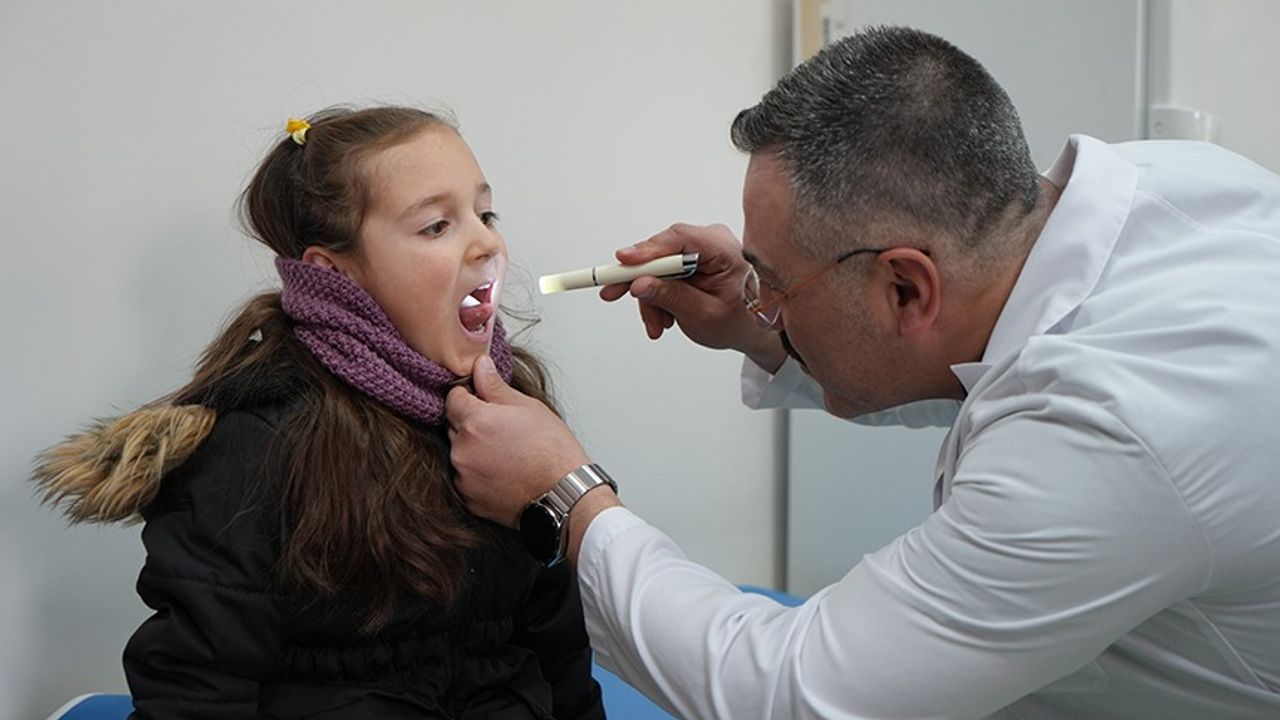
483, 189
424, 202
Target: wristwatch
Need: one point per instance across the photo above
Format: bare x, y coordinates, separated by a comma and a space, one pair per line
544, 524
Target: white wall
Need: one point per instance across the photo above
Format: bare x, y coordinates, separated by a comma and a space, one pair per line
129, 128
1221, 58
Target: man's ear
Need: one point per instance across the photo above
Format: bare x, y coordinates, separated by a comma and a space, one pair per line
915, 287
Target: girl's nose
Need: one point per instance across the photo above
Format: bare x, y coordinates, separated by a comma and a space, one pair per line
485, 243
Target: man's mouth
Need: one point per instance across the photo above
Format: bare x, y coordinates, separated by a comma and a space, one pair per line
475, 310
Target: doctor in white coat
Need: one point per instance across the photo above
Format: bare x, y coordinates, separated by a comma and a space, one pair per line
1104, 342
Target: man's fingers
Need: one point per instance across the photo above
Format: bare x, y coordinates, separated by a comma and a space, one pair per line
678, 238
653, 321
459, 404
662, 302
609, 293
659, 245
489, 385
672, 296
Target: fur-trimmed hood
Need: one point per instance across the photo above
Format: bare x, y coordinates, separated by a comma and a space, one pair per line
112, 470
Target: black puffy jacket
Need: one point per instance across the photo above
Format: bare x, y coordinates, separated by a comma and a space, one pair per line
223, 643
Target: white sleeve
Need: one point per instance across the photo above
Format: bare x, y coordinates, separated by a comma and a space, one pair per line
792, 388
1034, 565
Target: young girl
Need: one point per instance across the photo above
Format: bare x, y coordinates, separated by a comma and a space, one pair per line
307, 555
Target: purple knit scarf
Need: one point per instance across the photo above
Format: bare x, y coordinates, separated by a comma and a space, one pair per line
347, 331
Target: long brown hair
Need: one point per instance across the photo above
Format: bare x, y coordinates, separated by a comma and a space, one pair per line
367, 505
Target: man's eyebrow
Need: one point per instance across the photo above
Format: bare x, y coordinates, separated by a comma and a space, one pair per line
759, 266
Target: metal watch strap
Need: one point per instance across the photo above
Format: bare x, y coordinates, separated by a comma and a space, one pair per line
564, 494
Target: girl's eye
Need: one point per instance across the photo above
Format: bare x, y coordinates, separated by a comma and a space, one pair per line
489, 217
436, 229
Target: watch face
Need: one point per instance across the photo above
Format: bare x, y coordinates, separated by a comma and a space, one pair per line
540, 531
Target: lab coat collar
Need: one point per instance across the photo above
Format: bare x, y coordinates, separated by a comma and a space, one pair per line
1098, 188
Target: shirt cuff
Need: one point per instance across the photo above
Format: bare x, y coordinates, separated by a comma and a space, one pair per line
605, 526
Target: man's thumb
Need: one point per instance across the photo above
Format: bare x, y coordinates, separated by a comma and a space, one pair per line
486, 380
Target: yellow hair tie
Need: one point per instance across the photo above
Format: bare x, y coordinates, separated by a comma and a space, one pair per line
297, 130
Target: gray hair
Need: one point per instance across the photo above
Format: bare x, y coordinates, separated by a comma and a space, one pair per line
895, 123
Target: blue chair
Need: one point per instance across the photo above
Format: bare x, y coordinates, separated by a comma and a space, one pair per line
783, 598
621, 701
95, 706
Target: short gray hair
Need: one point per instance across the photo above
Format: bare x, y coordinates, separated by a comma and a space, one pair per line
896, 122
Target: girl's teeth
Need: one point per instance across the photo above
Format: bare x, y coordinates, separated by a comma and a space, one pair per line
469, 301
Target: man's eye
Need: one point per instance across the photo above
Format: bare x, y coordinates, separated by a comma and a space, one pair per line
489, 217
436, 229
771, 286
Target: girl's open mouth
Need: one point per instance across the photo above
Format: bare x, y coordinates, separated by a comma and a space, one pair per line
475, 310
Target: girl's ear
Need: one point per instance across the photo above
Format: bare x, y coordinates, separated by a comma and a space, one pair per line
317, 255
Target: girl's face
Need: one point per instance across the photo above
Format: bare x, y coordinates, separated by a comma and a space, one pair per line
429, 252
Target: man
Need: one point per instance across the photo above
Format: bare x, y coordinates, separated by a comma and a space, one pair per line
1105, 341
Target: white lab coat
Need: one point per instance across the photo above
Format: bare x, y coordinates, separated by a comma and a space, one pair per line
1106, 538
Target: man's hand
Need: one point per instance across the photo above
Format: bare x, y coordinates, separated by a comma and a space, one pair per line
508, 448
708, 306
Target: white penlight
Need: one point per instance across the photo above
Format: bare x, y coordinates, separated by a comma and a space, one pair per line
671, 267
550, 284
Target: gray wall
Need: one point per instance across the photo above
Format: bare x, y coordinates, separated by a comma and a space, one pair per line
1221, 58
129, 128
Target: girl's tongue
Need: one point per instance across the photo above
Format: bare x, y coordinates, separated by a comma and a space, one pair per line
476, 309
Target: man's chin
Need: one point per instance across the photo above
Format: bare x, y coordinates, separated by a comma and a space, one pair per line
841, 407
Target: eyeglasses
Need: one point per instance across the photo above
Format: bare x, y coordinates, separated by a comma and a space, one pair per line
766, 304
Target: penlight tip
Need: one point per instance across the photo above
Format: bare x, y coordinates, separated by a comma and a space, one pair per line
550, 284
